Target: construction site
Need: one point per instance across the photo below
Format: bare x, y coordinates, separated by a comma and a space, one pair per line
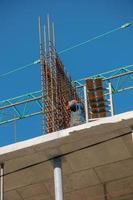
85, 150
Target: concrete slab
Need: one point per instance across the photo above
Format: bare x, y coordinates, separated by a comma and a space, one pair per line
128, 140
94, 155
75, 181
104, 153
95, 192
19, 179
39, 197
33, 190
115, 170
12, 195
81, 179
97, 130
120, 187
124, 197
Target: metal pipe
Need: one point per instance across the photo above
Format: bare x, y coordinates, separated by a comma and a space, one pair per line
86, 104
111, 99
19, 118
102, 75
106, 78
21, 102
118, 75
124, 89
58, 179
1, 181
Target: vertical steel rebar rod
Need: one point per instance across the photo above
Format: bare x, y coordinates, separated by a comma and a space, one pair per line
51, 71
46, 75
86, 104
45, 42
54, 41
56, 77
42, 77
111, 99
1, 181
58, 179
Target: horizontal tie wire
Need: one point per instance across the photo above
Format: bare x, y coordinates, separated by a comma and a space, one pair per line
68, 49
19, 69
95, 38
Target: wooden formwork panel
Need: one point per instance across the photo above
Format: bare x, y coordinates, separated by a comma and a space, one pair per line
96, 100
90, 84
100, 97
91, 98
98, 83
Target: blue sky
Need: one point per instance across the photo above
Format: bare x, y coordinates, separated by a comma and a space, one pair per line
75, 22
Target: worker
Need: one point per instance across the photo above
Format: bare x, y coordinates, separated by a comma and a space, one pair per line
72, 105
77, 112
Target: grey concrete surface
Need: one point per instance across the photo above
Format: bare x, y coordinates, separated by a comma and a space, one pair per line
97, 162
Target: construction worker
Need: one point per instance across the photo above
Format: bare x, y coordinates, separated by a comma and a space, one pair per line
76, 112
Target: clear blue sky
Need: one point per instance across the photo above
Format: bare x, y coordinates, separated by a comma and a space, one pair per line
75, 22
